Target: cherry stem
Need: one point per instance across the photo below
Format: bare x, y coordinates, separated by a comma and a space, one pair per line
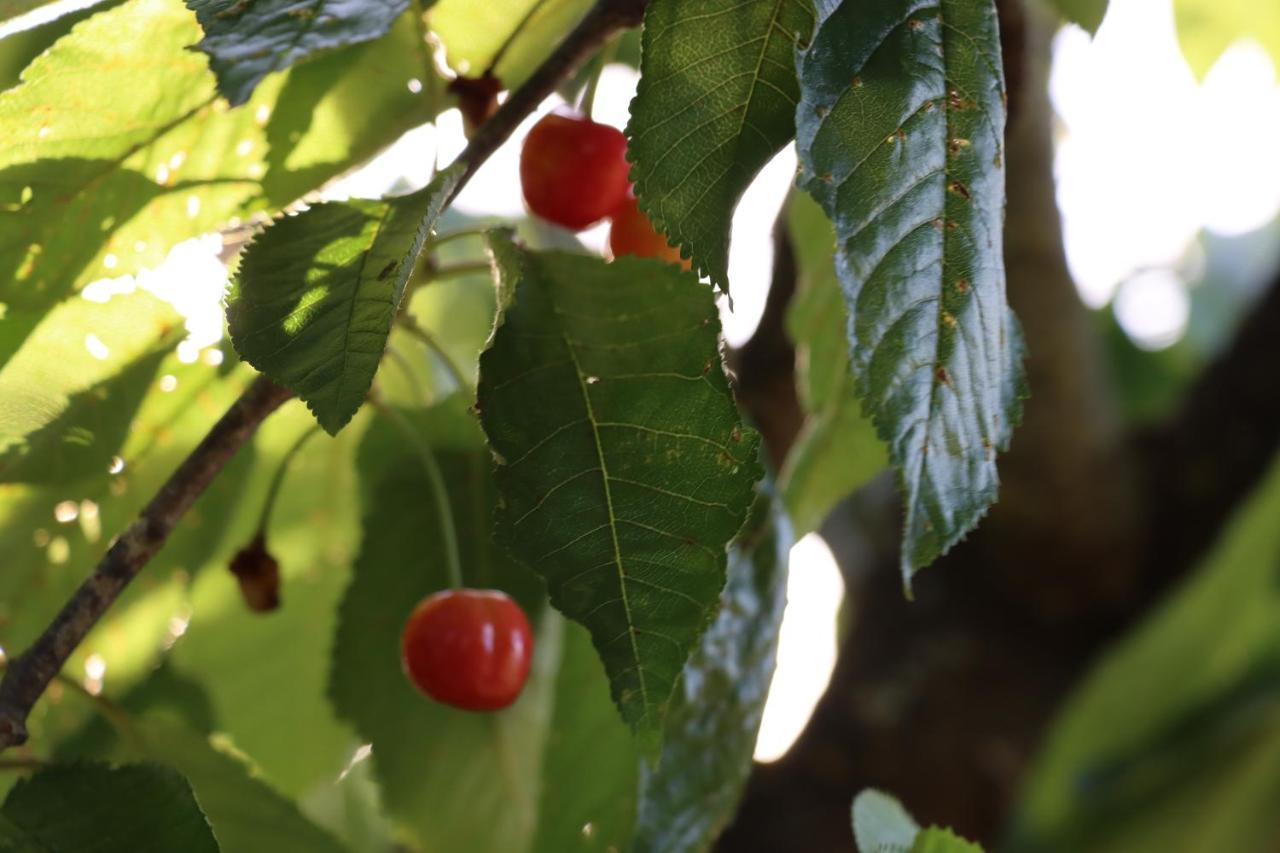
603, 58
410, 325
435, 479
406, 367
273, 491
511, 37
449, 236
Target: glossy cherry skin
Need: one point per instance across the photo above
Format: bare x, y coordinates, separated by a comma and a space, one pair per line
573, 170
469, 648
631, 233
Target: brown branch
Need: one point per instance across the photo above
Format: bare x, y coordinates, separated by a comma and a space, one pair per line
27, 676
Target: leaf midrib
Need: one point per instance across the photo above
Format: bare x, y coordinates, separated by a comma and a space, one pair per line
608, 499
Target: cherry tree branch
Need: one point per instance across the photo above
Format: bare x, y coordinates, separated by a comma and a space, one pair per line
27, 676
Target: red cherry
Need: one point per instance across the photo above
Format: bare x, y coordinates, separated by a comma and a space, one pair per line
633, 234
573, 170
470, 648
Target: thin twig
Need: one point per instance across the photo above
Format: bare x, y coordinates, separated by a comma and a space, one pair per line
439, 492
28, 675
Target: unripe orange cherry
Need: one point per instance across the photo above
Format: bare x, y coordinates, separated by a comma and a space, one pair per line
469, 648
631, 233
573, 170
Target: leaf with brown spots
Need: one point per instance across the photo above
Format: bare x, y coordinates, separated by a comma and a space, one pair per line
907, 163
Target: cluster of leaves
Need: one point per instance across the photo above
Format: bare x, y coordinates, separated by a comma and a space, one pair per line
625, 491
624, 477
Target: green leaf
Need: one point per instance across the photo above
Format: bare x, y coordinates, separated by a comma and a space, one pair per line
1149, 751
107, 164
524, 31
711, 731
881, 824
938, 840
716, 101
79, 350
1208, 27
92, 807
900, 138
837, 449
623, 466
14, 8
1087, 13
247, 41
247, 815
313, 533
81, 441
313, 302
590, 767
458, 780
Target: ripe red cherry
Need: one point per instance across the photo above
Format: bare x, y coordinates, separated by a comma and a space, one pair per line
573, 170
470, 648
633, 234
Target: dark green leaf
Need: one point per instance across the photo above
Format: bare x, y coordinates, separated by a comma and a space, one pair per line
717, 99
837, 449
900, 138
247, 815
93, 808
711, 731
623, 466
246, 41
107, 163
1086, 13
458, 780
313, 302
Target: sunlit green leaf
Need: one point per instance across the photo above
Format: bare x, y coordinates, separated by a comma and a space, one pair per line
900, 137
81, 441
1086, 13
316, 293
717, 99
1208, 27
13, 8
247, 41
524, 31
837, 449
711, 731
313, 532
624, 468
246, 814
458, 780
116, 147
92, 807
